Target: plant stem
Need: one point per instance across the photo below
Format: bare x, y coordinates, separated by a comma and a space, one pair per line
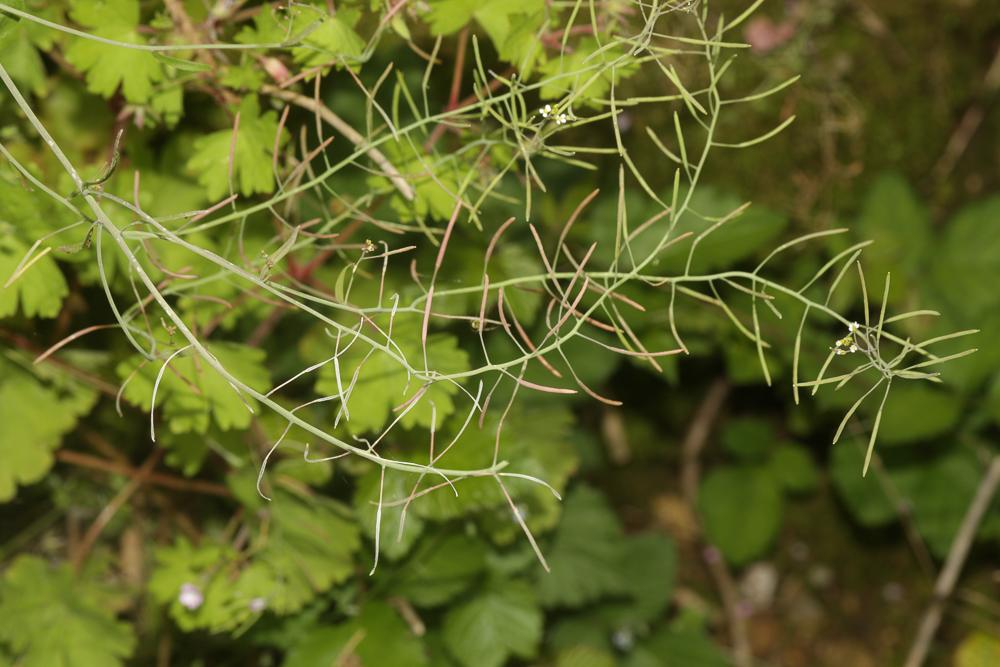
957, 554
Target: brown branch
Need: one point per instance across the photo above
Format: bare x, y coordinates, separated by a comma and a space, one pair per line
957, 554
694, 443
967, 127
116, 503
352, 135
158, 478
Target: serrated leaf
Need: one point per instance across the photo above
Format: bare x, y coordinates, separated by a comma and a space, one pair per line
443, 566
49, 617
33, 420
678, 647
574, 73
183, 564
108, 66
376, 636
308, 547
333, 40
39, 289
741, 510
502, 621
511, 26
384, 384
585, 555
649, 562
435, 180
540, 446
192, 394
251, 160
327, 38
20, 41
396, 486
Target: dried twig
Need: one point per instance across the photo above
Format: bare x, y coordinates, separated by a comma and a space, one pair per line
969, 124
953, 564
694, 442
116, 503
159, 479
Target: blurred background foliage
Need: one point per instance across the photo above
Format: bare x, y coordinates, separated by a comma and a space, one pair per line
116, 552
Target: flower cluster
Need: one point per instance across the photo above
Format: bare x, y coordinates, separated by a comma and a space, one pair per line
847, 344
560, 118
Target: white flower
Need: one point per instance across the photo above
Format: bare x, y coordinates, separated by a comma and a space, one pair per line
853, 326
190, 597
257, 605
623, 639
546, 110
854, 348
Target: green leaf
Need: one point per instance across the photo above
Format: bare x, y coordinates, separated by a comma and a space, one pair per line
864, 496
249, 77
678, 647
192, 394
915, 411
33, 420
188, 451
435, 179
743, 237
183, 564
967, 260
502, 621
251, 160
52, 618
585, 656
397, 486
993, 402
573, 73
109, 66
748, 438
741, 509
586, 553
892, 212
939, 493
442, 567
39, 289
181, 63
307, 548
384, 384
978, 649
505, 21
328, 39
649, 562
447, 16
540, 446
20, 42
377, 636
310, 548
792, 466
334, 40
